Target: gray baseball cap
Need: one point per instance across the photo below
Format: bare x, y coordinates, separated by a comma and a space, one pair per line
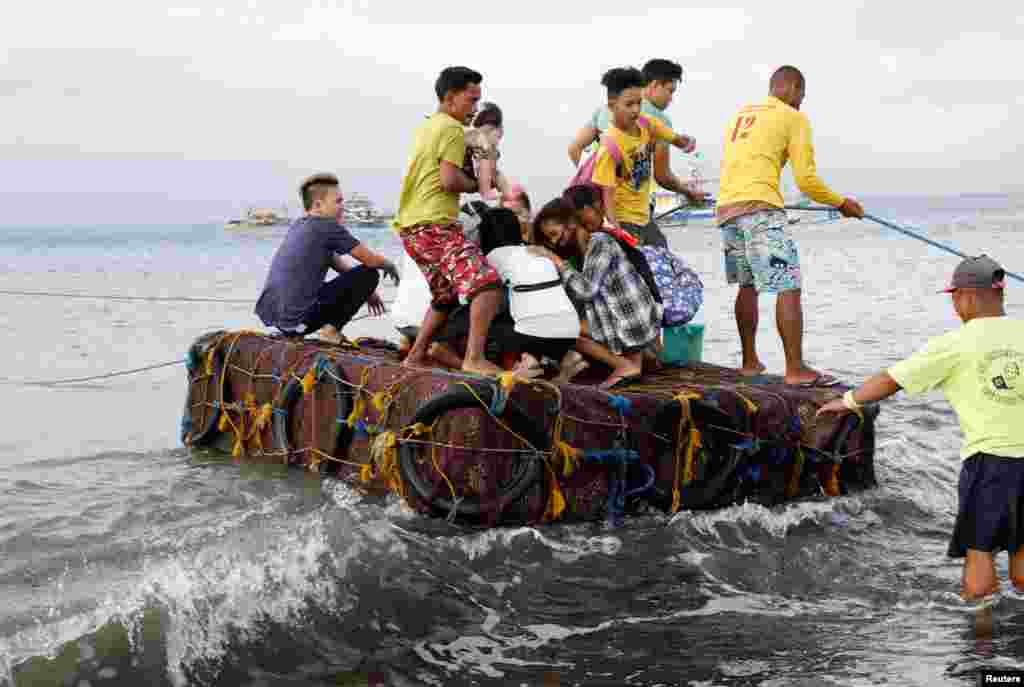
979, 272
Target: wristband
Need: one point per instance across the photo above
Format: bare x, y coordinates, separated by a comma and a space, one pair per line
850, 402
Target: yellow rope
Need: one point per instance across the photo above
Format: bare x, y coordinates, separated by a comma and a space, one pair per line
685, 420
830, 485
359, 403
751, 406
309, 379
556, 501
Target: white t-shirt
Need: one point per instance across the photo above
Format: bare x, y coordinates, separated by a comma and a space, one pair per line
546, 313
413, 298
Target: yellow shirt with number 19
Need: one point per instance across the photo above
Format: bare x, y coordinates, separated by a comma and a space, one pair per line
759, 141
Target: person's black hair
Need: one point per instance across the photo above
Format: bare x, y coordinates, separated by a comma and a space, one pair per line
499, 227
455, 79
582, 196
558, 210
620, 78
587, 195
786, 74
316, 188
662, 70
489, 114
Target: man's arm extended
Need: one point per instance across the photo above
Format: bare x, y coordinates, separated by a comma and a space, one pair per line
877, 388
370, 259
584, 137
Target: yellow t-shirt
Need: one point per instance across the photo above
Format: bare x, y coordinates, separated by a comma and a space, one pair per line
633, 186
759, 140
980, 369
423, 201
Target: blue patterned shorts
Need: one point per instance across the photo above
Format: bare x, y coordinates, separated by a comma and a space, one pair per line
759, 252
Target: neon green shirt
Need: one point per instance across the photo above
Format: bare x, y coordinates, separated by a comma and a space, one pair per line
980, 370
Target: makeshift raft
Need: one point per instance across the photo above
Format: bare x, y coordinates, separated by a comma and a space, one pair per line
513, 451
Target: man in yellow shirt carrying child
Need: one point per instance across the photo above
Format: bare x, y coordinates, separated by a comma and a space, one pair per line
428, 209
980, 370
760, 255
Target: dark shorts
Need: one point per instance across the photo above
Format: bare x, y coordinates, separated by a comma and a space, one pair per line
650, 234
989, 515
502, 337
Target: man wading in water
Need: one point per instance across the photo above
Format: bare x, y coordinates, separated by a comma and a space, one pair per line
980, 369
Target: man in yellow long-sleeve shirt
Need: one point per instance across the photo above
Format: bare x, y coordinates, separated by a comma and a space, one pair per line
760, 255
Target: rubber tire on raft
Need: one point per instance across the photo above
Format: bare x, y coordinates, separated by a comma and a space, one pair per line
291, 393
530, 469
708, 492
208, 433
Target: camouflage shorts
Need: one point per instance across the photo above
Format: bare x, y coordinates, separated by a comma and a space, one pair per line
759, 252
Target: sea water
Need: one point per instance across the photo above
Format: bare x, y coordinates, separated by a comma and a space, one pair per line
124, 560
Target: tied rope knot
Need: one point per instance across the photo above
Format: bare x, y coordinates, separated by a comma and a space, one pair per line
693, 443
359, 404
506, 382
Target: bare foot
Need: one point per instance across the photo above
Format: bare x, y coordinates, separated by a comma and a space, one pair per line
441, 353
330, 334
620, 373
572, 364
415, 359
481, 367
528, 367
404, 346
752, 370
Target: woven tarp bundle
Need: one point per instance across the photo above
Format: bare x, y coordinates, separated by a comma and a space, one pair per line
511, 451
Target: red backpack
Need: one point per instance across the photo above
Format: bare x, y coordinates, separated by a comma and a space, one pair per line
585, 172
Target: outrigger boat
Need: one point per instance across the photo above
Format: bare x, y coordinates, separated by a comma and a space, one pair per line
510, 451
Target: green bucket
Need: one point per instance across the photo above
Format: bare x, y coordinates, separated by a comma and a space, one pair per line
682, 344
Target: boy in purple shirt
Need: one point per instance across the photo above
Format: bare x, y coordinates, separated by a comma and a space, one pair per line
295, 298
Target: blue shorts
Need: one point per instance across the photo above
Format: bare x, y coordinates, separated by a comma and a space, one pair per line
989, 516
759, 252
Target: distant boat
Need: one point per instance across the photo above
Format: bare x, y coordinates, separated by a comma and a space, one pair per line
680, 214
259, 218
359, 209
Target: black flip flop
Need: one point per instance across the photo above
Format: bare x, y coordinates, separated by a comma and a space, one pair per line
822, 381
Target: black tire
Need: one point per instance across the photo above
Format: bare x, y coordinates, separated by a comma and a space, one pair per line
207, 434
707, 490
529, 468
856, 475
291, 393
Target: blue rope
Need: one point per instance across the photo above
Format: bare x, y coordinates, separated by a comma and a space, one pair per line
611, 456
904, 230
620, 404
648, 483
498, 400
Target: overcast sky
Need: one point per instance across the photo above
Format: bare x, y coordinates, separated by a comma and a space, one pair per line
138, 110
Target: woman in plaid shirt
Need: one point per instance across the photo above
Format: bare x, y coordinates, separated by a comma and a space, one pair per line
622, 313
